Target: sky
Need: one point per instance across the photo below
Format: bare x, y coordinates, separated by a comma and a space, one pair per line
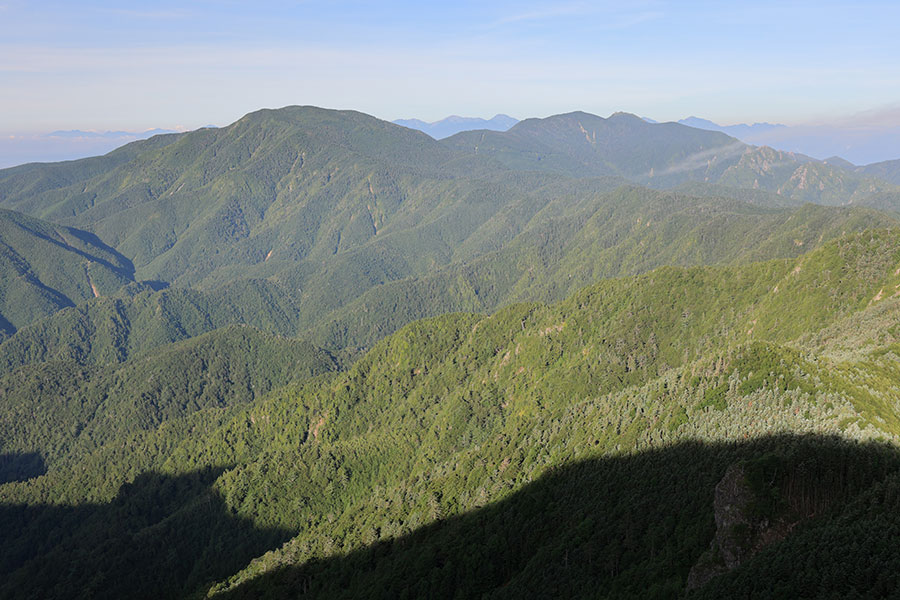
109, 65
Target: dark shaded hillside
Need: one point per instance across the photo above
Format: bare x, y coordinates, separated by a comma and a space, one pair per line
625, 526
21, 467
162, 536
632, 526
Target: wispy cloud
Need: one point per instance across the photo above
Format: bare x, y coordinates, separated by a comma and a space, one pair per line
613, 17
703, 158
626, 21
883, 116
550, 12
149, 14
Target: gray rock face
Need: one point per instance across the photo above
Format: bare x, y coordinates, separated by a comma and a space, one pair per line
742, 528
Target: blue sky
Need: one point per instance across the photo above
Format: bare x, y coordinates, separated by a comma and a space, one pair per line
136, 65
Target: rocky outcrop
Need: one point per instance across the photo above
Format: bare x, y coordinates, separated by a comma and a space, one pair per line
748, 518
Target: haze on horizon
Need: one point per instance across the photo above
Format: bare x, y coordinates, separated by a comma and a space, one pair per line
93, 65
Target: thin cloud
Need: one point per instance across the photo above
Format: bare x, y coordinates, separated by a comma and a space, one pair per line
614, 19
883, 116
627, 21
149, 14
554, 12
701, 159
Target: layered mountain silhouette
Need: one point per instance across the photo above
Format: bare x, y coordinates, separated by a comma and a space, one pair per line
454, 124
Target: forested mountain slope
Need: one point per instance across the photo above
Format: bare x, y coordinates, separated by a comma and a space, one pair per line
25, 186
346, 227
58, 405
888, 170
305, 193
44, 267
580, 238
327, 177
137, 319
625, 232
571, 448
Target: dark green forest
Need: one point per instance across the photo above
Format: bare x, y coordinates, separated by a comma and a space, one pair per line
314, 354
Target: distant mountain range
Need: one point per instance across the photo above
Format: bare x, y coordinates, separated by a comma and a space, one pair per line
837, 145
130, 135
853, 145
856, 145
739, 131
454, 124
69, 144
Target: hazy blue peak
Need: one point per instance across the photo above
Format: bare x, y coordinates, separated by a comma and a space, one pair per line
454, 124
733, 130
411, 123
700, 123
